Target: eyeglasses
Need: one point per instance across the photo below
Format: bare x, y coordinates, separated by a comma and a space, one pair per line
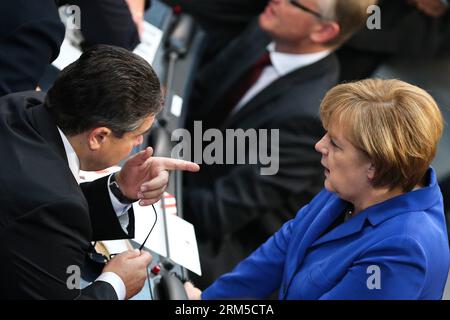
297, 4
96, 261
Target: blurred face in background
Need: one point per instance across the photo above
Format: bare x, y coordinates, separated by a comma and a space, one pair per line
289, 24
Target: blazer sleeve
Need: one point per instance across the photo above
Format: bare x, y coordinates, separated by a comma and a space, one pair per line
39, 250
244, 194
259, 275
104, 221
394, 268
98, 290
107, 22
30, 39
221, 13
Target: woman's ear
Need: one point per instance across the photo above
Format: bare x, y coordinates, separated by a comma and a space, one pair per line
371, 171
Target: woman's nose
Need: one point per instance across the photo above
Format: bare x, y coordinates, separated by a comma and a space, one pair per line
320, 146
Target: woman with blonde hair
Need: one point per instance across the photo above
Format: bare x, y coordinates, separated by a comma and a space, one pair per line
377, 230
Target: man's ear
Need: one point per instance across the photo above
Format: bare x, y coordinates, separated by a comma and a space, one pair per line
326, 32
97, 137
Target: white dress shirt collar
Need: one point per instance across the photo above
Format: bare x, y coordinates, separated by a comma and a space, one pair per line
285, 63
281, 64
72, 158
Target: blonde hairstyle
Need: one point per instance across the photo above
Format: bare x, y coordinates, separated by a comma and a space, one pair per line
350, 15
397, 125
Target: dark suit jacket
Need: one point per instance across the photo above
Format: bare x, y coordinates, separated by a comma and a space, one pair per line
233, 207
222, 20
405, 32
30, 36
221, 15
46, 220
107, 22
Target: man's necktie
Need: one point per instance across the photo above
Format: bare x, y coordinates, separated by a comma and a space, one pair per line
242, 85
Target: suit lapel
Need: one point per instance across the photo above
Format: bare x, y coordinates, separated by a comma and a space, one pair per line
278, 87
313, 229
262, 99
345, 229
230, 65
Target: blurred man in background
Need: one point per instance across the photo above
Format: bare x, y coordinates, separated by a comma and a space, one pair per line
273, 76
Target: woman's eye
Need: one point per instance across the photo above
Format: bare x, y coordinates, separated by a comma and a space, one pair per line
333, 144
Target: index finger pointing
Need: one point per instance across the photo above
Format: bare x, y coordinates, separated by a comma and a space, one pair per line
175, 164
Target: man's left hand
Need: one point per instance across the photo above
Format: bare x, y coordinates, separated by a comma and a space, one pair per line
137, 8
145, 177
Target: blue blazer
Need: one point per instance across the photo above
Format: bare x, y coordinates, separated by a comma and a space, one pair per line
397, 249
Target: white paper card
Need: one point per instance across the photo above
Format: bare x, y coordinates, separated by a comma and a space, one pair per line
116, 246
144, 220
68, 53
183, 248
177, 105
150, 41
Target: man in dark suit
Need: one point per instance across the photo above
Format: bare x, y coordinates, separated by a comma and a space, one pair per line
222, 20
97, 111
30, 36
409, 29
233, 207
112, 22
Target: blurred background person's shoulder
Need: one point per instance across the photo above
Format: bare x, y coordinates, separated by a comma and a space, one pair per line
31, 34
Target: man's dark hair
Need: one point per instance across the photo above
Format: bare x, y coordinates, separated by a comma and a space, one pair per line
107, 86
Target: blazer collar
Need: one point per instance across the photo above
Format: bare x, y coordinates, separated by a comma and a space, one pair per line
44, 123
285, 63
349, 227
419, 200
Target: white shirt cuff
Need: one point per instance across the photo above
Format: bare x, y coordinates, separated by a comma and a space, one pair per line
116, 282
120, 209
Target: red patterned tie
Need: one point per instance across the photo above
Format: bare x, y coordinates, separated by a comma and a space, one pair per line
244, 83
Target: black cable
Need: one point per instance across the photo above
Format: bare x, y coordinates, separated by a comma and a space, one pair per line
142, 246
148, 235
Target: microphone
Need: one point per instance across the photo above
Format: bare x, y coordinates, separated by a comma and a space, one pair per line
180, 38
177, 45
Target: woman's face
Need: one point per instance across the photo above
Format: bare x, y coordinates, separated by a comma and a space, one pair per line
347, 170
